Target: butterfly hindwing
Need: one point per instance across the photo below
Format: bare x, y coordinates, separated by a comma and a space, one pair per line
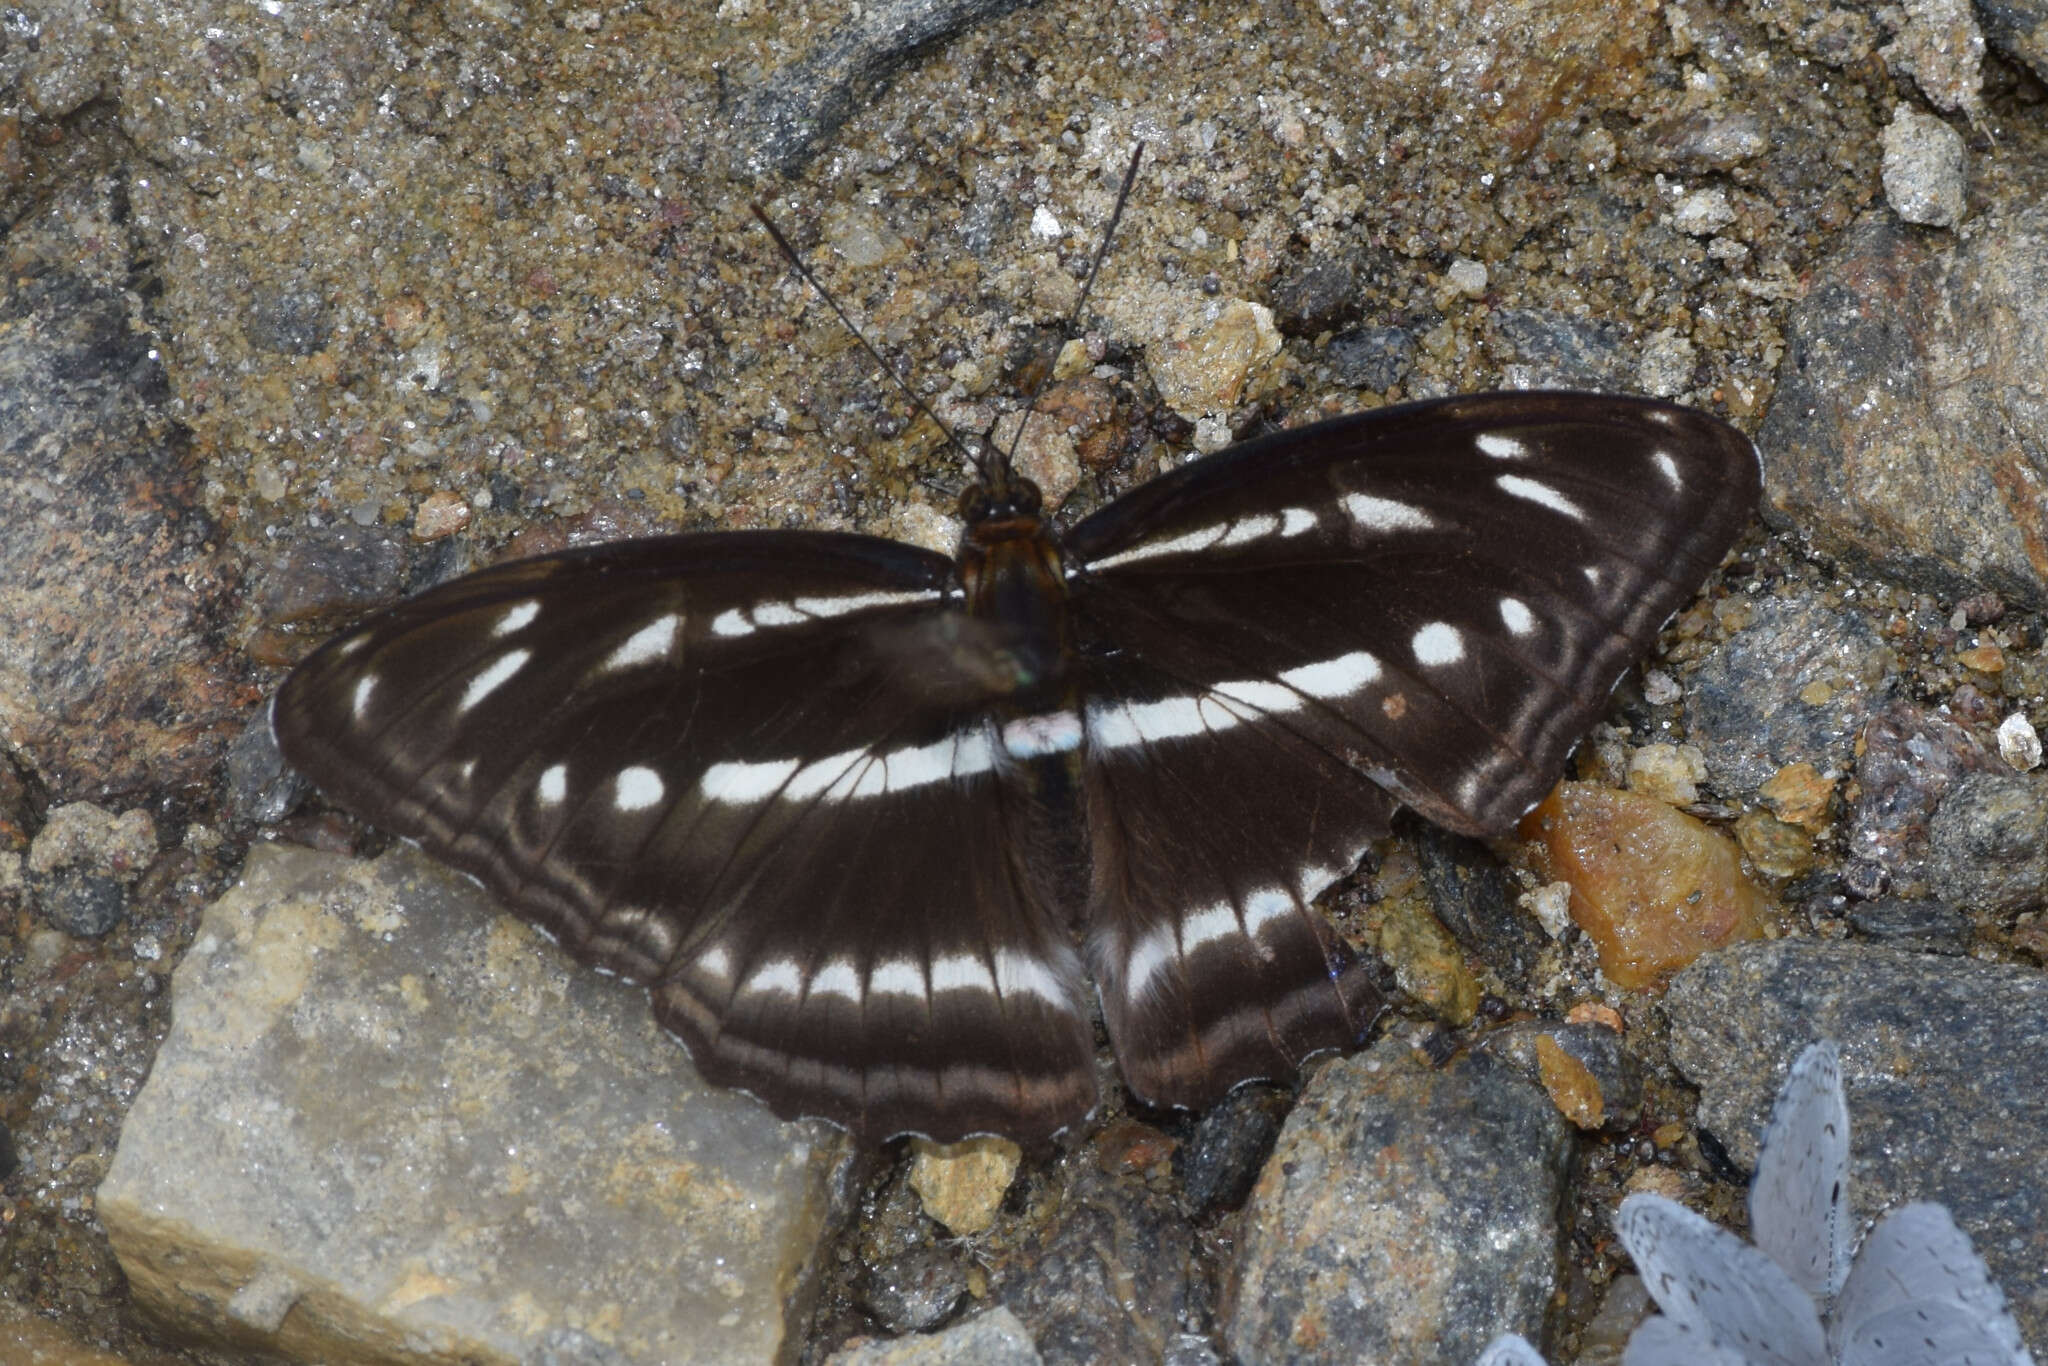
1482, 569
753, 772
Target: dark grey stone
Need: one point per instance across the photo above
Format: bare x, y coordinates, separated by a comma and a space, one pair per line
2018, 28
1595, 1047
331, 574
262, 788
1475, 898
918, 1290
1408, 1214
1909, 759
1557, 351
1371, 357
1988, 843
1925, 926
1748, 716
805, 101
1221, 1158
1941, 1059
1116, 1271
80, 903
1316, 296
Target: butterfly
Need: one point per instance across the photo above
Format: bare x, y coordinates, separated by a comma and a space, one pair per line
868, 820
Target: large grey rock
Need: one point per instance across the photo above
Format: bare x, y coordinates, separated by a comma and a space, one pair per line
1941, 1061
1909, 433
390, 1124
1408, 1214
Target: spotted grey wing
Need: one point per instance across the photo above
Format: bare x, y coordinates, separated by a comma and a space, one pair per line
1436, 597
753, 771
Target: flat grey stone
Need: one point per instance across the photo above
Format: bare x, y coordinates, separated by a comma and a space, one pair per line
391, 1124
1407, 1214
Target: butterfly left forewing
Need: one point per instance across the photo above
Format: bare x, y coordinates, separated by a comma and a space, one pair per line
754, 772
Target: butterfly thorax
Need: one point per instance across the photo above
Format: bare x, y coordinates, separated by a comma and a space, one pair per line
1011, 573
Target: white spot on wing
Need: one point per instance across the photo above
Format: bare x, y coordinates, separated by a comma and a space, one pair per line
1149, 959
1668, 467
637, 788
859, 602
1438, 643
778, 975
1250, 529
716, 961
1021, 974
1540, 493
1119, 725
1339, 677
1264, 906
1259, 694
1385, 514
651, 642
737, 783
359, 701
961, 972
776, 614
487, 682
1209, 923
898, 977
517, 618
553, 785
731, 622
1294, 521
1030, 737
1502, 447
1516, 616
1185, 544
837, 978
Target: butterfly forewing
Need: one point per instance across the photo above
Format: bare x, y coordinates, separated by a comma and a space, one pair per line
754, 772
1482, 569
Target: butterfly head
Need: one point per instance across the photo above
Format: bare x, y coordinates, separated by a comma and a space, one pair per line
999, 506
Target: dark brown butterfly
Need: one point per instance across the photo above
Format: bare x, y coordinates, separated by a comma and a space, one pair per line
867, 820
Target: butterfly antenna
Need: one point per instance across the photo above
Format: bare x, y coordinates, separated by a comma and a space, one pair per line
1116, 214
797, 264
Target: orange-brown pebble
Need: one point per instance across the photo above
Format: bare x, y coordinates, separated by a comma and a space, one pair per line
1573, 1089
1669, 1134
1128, 1148
1594, 1012
440, 514
1798, 794
1985, 659
1776, 848
1652, 887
